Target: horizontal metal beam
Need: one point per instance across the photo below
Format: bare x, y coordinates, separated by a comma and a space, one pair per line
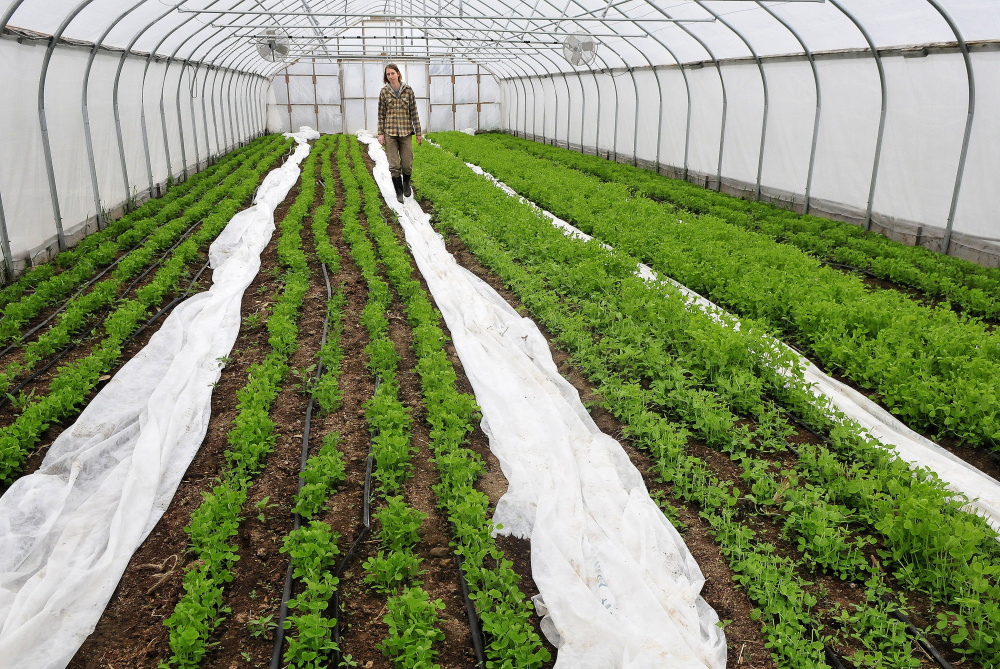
396, 39
456, 17
427, 27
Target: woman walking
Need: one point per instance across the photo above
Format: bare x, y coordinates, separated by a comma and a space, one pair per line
397, 123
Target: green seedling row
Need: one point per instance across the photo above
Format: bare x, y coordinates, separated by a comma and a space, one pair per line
503, 609
72, 382
615, 325
972, 287
313, 547
394, 570
934, 369
100, 248
104, 293
214, 524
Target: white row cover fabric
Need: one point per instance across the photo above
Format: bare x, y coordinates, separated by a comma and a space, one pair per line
982, 490
618, 587
68, 531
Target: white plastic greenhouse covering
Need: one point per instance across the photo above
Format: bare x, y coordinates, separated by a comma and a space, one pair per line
882, 113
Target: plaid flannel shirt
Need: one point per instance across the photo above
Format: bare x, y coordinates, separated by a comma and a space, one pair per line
398, 116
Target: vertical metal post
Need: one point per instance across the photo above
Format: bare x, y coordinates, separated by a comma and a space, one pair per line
192, 94
725, 99
763, 82
881, 123
4, 237
970, 114
819, 101
42, 121
8, 260
91, 160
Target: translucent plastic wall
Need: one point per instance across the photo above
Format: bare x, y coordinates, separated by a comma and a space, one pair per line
788, 103
882, 113
24, 174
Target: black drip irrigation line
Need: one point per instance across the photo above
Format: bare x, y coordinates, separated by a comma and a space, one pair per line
65, 304
173, 303
475, 628
279, 632
832, 659
8, 396
87, 285
916, 634
20, 340
366, 528
852, 268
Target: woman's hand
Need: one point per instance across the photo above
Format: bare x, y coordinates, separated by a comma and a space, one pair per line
420, 139
381, 140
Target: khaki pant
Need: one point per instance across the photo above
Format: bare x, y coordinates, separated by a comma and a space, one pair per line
399, 151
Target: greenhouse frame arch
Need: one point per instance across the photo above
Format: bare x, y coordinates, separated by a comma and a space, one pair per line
797, 96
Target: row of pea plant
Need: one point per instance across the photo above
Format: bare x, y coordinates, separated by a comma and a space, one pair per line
931, 367
313, 547
660, 363
503, 609
252, 438
33, 277
82, 262
72, 382
80, 309
973, 287
412, 618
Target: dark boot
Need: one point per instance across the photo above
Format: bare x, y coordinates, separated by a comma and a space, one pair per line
397, 183
407, 192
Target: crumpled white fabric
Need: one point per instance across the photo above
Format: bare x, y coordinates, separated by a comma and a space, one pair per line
618, 587
305, 134
980, 488
68, 531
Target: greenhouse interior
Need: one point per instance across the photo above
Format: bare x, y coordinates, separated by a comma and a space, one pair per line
605, 334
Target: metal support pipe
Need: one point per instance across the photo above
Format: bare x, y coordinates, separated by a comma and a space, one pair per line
970, 114
4, 236
763, 82
91, 161
42, 121
725, 102
8, 260
192, 94
819, 101
881, 123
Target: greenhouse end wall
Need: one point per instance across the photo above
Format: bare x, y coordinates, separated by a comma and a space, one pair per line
926, 110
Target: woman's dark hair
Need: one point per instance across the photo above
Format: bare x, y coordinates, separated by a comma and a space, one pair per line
385, 79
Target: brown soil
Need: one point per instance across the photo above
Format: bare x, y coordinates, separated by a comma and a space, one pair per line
745, 642
746, 645
77, 351
131, 631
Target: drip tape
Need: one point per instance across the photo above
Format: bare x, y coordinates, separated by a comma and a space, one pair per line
62, 308
917, 634
279, 631
852, 268
65, 304
475, 628
62, 354
366, 528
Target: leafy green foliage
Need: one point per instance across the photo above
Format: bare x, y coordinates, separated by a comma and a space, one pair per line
503, 609
670, 373
932, 368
